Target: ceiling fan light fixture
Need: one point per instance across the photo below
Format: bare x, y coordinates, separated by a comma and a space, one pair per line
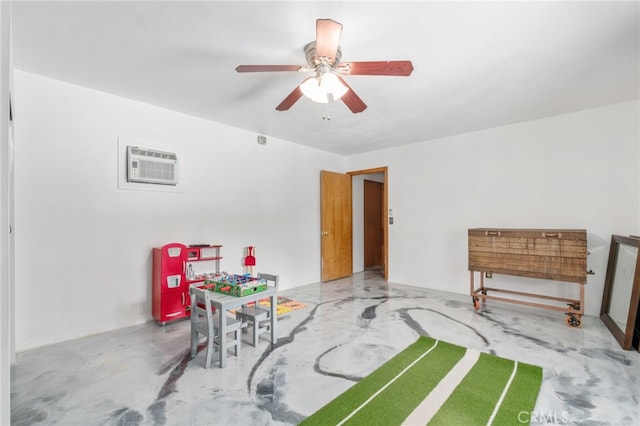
330, 83
312, 89
320, 87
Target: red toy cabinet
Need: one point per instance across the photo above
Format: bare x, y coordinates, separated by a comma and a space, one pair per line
170, 290
175, 268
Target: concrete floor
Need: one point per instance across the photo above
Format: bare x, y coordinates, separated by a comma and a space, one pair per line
144, 375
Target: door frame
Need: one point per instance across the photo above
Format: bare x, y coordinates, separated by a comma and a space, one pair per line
385, 206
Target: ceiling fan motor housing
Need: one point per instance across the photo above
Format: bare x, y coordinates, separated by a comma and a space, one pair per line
315, 61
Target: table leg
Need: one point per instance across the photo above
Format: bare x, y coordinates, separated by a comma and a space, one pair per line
223, 338
274, 318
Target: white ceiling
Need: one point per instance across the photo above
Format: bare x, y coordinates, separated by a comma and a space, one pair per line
476, 64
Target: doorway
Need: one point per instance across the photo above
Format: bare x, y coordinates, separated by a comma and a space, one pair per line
339, 246
373, 227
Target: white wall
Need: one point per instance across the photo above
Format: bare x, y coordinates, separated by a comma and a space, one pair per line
357, 222
578, 170
7, 352
83, 246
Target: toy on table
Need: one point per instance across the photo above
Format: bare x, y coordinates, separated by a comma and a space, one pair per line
250, 260
236, 285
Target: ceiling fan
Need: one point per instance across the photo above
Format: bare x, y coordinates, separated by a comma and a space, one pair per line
323, 57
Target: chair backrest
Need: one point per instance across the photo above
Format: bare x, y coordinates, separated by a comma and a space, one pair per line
200, 304
270, 278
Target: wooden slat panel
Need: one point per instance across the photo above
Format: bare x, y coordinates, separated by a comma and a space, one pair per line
565, 234
563, 278
526, 241
548, 266
537, 253
541, 264
533, 247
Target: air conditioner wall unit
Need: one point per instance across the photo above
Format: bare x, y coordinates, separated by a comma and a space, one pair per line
151, 166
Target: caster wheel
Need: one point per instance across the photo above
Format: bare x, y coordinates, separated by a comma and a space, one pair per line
573, 321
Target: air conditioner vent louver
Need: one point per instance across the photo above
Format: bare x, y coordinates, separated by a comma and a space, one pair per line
151, 166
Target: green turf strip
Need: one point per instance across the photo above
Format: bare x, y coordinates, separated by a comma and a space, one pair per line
398, 400
521, 397
336, 410
473, 401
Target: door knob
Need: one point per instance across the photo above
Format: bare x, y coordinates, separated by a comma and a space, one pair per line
324, 233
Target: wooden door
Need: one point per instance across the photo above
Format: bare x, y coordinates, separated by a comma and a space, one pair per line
336, 238
373, 226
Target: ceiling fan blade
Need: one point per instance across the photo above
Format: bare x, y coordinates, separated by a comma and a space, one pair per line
351, 100
328, 34
291, 99
267, 68
399, 68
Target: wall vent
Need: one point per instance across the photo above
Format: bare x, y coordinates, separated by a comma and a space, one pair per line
151, 166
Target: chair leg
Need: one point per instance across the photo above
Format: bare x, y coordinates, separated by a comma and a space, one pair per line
210, 349
256, 328
194, 342
207, 361
236, 335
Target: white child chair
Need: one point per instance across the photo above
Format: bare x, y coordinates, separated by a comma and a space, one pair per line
256, 316
205, 322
